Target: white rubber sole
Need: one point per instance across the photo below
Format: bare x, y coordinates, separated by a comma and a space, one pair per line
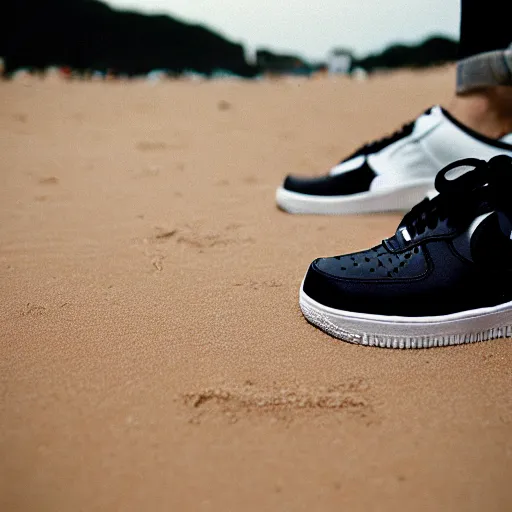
391, 199
410, 332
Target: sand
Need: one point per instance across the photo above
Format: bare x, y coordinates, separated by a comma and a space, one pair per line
153, 355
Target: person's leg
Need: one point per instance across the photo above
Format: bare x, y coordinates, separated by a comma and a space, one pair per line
485, 52
483, 99
486, 110
484, 27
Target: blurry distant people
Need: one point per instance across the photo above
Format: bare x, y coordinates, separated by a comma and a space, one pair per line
67, 72
399, 170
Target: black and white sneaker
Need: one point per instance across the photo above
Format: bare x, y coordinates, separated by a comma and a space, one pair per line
394, 173
444, 278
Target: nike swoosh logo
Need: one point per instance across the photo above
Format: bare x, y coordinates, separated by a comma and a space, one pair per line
462, 243
477, 222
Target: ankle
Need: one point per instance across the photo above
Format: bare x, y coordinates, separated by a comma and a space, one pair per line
487, 111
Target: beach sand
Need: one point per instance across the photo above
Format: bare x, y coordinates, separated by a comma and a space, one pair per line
153, 354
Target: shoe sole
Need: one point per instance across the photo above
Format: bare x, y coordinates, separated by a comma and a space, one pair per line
410, 332
391, 199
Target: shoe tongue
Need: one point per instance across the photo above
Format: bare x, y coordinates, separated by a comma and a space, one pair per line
435, 109
507, 139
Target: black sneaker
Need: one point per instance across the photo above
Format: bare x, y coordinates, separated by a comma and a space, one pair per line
444, 278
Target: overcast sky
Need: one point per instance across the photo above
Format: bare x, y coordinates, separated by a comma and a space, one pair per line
312, 27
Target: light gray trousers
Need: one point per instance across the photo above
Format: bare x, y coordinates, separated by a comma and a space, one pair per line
485, 70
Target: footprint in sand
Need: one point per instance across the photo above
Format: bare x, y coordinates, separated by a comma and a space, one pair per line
52, 180
211, 240
33, 310
285, 403
20, 118
165, 235
151, 146
224, 105
151, 250
258, 285
191, 239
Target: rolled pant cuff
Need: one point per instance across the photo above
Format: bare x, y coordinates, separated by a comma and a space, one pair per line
485, 70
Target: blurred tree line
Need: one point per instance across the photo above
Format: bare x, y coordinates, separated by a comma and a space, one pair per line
432, 51
89, 35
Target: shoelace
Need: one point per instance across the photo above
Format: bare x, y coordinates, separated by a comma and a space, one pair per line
377, 145
456, 199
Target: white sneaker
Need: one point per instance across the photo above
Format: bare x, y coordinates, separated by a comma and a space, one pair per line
393, 173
